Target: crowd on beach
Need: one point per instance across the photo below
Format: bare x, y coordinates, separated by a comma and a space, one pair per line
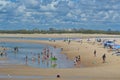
97, 41
3, 51
47, 56
44, 57
77, 60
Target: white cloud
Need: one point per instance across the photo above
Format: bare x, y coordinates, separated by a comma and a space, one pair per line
84, 19
56, 21
30, 3
116, 16
28, 14
71, 4
33, 2
106, 16
91, 2
21, 9
70, 15
83, 15
4, 2
4, 5
74, 14
48, 14
48, 7
65, 11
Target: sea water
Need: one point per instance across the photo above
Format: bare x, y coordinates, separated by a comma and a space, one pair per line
32, 50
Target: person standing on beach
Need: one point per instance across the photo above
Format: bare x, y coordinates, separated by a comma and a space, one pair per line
104, 57
26, 59
79, 60
95, 53
1, 53
69, 41
39, 58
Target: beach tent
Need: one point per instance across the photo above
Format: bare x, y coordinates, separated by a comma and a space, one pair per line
109, 43
117, 49
116, 46
98, 40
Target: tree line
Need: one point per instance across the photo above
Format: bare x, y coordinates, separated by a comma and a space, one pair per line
52, 31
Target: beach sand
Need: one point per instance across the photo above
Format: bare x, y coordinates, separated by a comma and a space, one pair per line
93, 67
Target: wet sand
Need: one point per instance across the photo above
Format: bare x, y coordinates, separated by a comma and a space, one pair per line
93, 69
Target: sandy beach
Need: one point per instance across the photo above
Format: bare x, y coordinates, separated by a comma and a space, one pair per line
93, 67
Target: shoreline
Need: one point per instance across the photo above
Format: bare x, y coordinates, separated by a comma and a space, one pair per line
69, 35
70, 50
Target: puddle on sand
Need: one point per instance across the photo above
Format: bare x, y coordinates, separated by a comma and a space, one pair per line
35, 55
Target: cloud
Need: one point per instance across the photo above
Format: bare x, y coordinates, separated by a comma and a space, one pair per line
6, 5
48, 7
59, 11
21, 9
4, 2
30, 3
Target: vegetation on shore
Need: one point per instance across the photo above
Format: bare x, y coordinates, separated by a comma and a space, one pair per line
52, 31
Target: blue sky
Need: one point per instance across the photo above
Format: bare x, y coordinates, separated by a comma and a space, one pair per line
60, 14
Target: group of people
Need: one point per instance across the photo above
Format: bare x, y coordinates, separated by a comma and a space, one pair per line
3, 52
44, 56
103, 56
33, 58
77, 60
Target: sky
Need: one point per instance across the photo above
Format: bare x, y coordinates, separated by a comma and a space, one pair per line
59, 14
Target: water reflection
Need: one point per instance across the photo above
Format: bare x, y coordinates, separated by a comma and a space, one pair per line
35, 55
